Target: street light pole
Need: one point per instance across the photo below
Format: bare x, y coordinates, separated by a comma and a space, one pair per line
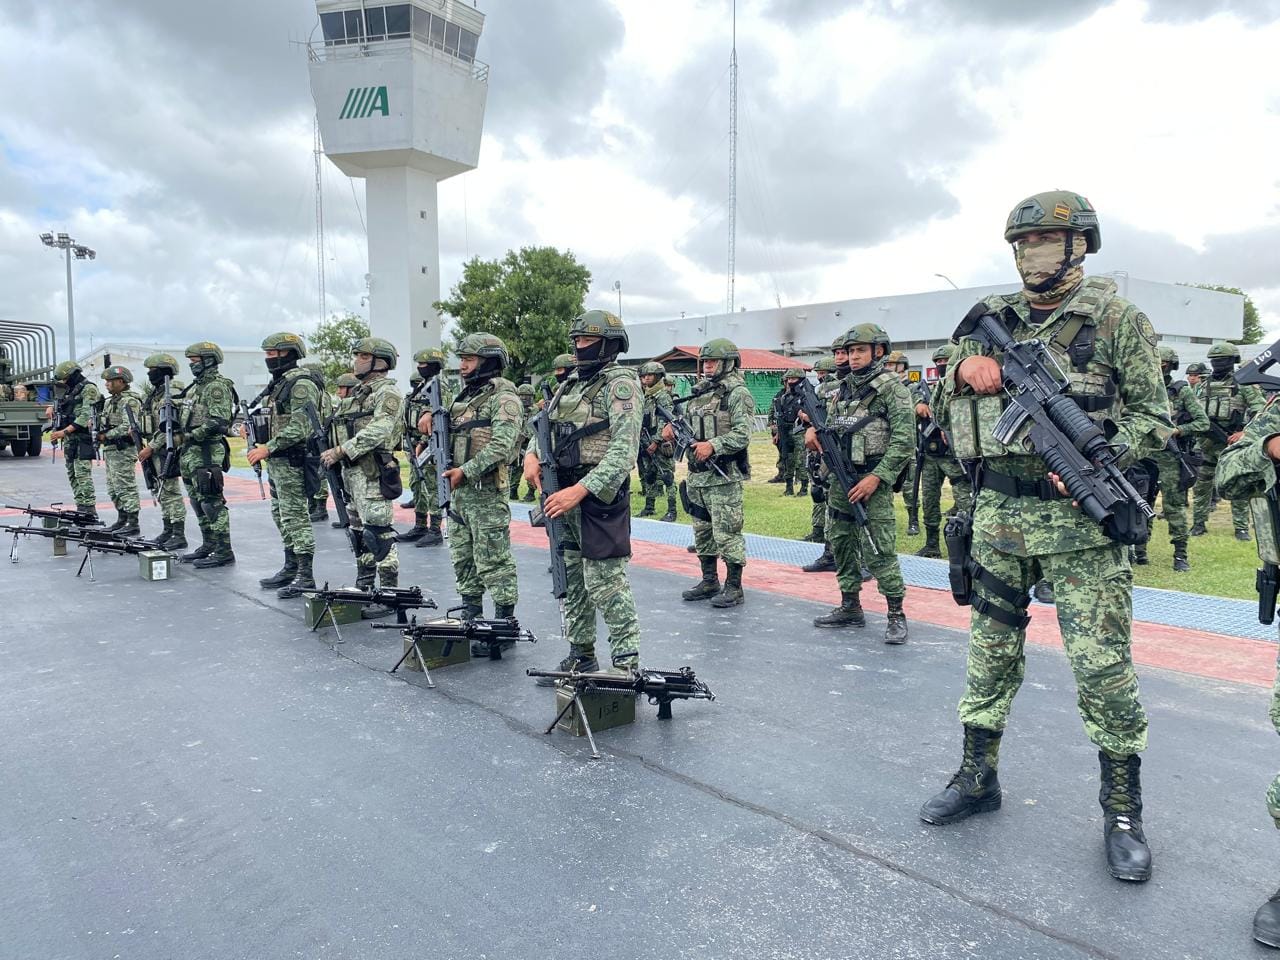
617, 285
71, 313
69, 245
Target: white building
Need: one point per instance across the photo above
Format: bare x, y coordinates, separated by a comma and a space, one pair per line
244, 366
1186, 318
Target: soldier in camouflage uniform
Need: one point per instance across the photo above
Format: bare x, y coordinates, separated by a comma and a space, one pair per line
873, 401
426, 511
207, 412
1189, 422
720, 413
1023, 521
562, 366
595, 421
1246, 473
784, 423
318, 509
1196, 375
819, 479
1229, 407
939, 462
657, 464
484, 428
115, 436
343, 387
897, 363
527, 407
162, 367
366, 431
77, 406
283, 431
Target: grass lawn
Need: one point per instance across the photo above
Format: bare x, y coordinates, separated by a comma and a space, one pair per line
1220, 565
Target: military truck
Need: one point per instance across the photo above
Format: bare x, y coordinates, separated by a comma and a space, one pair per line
26, 368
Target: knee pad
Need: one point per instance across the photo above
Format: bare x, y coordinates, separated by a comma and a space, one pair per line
378, 541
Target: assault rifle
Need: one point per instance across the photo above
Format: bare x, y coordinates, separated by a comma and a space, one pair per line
1074, 447
249, 411
406, 441
494, 635
168, 420
437, 449
398, 599
684, 439
550, 484
334, 479
923, 435
660, 686
149, 475
842, 471
95, 412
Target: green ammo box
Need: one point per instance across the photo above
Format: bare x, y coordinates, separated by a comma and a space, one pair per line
317, 615
604, 708
433, 650
155, 565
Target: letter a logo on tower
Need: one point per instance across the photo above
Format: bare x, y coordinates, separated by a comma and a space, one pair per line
364, 102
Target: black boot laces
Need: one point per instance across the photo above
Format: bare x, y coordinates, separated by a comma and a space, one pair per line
1121, 798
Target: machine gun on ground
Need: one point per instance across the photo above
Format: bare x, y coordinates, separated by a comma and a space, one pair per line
492, 635
842, 471
1074, 447
62, 518
398, 599
334, 478
550, 484
149, 475
660, 686
87, 537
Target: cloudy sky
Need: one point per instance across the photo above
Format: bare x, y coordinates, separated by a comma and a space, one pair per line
881, 143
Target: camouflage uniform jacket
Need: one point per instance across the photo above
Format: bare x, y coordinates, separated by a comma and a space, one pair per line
887, 442
208, 409
1124, 359
496, 401
114, 422
721, 412
291, 427
370, 418
659, 395
1245, 472
1188, 413
152, 404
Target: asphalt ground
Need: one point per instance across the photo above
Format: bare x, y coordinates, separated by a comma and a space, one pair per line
189, 772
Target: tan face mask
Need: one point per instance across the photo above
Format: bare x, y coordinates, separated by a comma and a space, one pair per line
1038, 261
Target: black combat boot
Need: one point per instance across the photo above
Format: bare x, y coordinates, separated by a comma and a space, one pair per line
931, 547
501, 611
285, 574
670, 515
472, 608
824, 563
365, 576
1180, 564
89, 509
816, 535
579, 660
709, 585
913, 521
975, 788
1242, 534
432, 537
1128, 856
178, 536
528, 495
779, 478
848, 614
163, 539
789, 490
305, 579
121, 519
1140, 554
1266, 922
1198, 530
691, 548
376, 611
319, 511
895, 630
339, 525
731, 595
130, 527
417, 531
804, 486
648, 508
1043, 591
220, 556
200, 552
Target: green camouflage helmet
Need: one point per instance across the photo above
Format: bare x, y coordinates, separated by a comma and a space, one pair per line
793, 373
1199, 369
525, 391
205, 350
118, 373
483, 345
825, 365
719, 349
944, 353
65, 369
897, 356
378, 348
416, 377
871, 333
314, 368
600, 323
653, 369
1055, 210
161, 360
1224, 348
429, 355
1170, 356
348, 380
565, 360
286, 341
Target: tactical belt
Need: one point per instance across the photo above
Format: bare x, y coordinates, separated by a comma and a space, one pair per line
1043, 489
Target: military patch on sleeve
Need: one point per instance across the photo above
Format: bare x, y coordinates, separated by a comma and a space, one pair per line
512, 408
390, 406
623, 391
1145, 328
216, 392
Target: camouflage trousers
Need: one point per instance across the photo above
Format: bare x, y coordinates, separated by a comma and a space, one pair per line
424, 490
1273, 793
721, 535
204, 489
122, 478
80, 476
791, 464
171, 506
1204, 490
819, 488
657, 475
373, 515
909, 496
849, 544
600, 585
1093, 591
480, 544
935, 470
291, 506
1173, 501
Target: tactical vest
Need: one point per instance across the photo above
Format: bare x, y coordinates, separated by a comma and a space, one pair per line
580, 430
79, 444
279, 401
152, 404
195, 412
113, 416
709, 414
470, 433
1224, 403
1071, 337
863, 431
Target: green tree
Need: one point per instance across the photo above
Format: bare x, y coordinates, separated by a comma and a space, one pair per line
528, 298
330, 342
1252, 325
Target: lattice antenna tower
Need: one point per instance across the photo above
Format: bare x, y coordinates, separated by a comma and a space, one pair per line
317, 149
733, 161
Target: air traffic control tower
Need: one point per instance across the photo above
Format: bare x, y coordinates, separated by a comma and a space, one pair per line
400, 98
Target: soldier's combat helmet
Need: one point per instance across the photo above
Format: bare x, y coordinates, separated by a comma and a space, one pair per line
416, 378
429, 361
379, 349
1055, 210
158, 361
1170, 356
525, 391
1223, 356
896, 357
491, 351
66, 370
613, 341
207, 356
118, 373
944, 353
793, 373
722, 349
293, 347
1198, 369
825, 365
871, 333
563, 365
347, 380
653, 368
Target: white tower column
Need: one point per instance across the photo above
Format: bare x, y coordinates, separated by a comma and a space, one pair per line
404, 254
